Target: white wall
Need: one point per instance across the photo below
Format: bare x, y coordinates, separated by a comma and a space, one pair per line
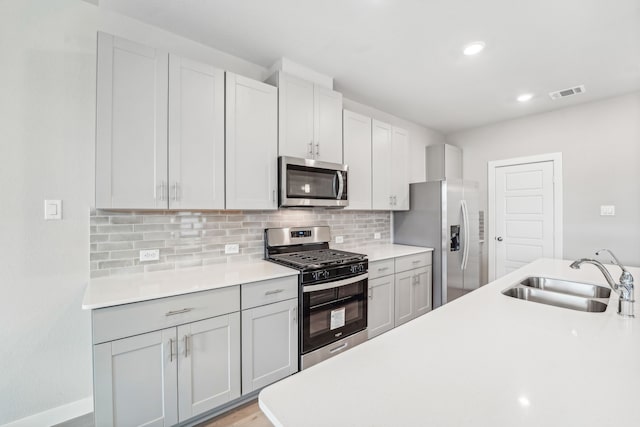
419, 136
47, 109
600, 143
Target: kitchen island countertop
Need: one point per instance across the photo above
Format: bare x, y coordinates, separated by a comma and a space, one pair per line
482, 360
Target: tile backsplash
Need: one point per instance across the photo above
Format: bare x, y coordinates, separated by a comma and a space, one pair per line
189, 239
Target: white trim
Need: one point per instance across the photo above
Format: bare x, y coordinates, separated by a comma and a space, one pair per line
556, 158
56, 415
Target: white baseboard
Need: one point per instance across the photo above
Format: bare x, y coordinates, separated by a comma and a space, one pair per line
55, 415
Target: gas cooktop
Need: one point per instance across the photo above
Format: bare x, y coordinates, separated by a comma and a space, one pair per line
316, 258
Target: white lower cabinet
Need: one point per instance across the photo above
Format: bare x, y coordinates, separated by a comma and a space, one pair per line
399, 291
412, 294
381, 305
208, 364
269, 344
186, 364
269, 332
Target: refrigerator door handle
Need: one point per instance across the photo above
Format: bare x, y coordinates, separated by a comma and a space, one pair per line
465, 222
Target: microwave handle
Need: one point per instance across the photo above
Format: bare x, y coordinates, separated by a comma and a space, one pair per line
340, 184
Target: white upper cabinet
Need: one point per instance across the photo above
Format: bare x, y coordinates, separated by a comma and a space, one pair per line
381, 165
160, 129
357, 155
131, 125
196, 135
310, 120
444, 161
390, 150
400, 168
251, 143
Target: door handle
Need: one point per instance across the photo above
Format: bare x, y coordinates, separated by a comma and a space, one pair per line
499, 239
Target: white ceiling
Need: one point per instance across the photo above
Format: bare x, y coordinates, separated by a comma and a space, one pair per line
404, 56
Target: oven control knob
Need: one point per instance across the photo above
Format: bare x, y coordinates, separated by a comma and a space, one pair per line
325, 274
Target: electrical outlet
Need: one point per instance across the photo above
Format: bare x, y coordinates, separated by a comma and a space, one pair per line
607, 210
339, 239
232, 248
377, 236
149, 255
52, 209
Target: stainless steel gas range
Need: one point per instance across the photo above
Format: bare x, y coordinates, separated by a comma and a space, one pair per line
333, 290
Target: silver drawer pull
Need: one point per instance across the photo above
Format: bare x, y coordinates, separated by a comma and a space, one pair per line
273, 292
383, 268
340, 347
416, 261
173, 313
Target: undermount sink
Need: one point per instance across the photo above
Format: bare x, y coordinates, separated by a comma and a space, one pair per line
561, 293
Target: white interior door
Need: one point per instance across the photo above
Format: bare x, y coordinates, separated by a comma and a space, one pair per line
524, 215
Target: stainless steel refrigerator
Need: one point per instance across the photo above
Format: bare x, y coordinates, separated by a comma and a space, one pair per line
444, 215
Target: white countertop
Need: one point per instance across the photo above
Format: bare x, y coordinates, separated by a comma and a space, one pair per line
482, 360
116, 290
389, 250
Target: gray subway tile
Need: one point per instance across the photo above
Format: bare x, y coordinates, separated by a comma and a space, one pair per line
114, 246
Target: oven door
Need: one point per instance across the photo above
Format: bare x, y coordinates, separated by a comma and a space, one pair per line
332, 311
308, 183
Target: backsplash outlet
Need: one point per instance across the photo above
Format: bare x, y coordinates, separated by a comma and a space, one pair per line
190, 239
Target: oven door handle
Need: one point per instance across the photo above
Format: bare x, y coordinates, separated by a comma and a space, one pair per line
336, 284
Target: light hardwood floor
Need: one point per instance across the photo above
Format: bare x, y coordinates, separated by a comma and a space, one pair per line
248, 415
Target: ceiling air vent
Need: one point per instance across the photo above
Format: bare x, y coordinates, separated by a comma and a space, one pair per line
567, 92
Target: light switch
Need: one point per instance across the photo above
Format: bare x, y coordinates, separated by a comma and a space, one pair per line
52, 209
607, 210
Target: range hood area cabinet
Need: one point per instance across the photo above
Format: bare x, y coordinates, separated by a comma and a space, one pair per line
159, 129
390, 174
309, 119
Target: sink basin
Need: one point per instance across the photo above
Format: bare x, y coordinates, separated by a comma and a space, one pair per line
556, 299
571, 288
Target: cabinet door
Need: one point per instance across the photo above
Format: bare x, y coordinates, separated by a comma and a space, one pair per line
196, 135
269, 344
135, 380
328, 125
381, 162
208, 364
296, 116
423, 291
380, 311
131, 125
251, 144
400, 167
357, 155
405, 297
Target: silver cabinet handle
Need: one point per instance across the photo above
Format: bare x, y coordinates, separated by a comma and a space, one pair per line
295, 315
383, 268
390, 200
416, 261
273, 195
370, 293
275, 291
186, 346
173, 313
162, 190
318, 149
311, 149
340, 347
499, 239
171, 350
175, 191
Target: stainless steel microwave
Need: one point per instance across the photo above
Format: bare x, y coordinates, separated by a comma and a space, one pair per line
309, 183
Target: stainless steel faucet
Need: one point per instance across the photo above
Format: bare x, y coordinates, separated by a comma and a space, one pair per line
625, 288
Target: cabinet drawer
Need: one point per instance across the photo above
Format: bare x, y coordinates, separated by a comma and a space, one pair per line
269, 291
381, 268
131, 319
410, 262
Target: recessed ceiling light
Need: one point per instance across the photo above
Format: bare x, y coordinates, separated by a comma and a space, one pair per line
473, 48
525, 97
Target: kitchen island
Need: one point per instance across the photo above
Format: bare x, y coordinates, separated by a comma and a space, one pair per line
482, 360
